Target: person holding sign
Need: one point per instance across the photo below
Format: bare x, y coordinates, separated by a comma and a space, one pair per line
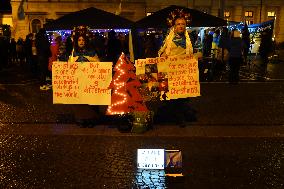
83, 53
177, 43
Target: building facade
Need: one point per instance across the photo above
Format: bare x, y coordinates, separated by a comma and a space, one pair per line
30, 15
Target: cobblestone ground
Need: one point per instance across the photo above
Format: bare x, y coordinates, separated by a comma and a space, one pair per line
36, 153
110, 162
221, 104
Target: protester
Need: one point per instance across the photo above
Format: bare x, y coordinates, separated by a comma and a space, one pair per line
177, 43
43, 54
83, 53
235, 60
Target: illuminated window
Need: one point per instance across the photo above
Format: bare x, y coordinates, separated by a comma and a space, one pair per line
271, 14
249, 14
149, 13
226, 14
249, 22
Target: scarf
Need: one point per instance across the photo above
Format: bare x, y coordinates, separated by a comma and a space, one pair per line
166, 48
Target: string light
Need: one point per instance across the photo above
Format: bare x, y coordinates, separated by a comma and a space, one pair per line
118, 85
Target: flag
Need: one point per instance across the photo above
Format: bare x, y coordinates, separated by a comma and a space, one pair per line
131, 51
21, 11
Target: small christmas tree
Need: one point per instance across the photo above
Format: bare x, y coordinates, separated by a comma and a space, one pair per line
125, 96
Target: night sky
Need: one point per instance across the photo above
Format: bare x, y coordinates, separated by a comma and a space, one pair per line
5, 5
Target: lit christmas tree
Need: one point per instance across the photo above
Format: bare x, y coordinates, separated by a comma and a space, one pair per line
125, 96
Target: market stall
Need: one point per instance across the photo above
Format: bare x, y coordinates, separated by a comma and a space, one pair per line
92, 17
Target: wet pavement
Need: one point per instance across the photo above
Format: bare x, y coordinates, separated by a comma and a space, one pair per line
68, 161
237, 140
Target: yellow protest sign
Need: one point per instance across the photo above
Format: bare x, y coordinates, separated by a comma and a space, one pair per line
81, 83
183, 76
140, 66
174, 76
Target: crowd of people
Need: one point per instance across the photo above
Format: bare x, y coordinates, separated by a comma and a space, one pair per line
231, 48
39, 50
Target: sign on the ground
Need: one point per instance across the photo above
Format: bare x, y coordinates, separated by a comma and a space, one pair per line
168, 160
150, 158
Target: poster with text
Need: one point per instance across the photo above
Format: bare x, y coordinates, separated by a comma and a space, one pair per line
169, 77
81, 83
153, 82
182, 76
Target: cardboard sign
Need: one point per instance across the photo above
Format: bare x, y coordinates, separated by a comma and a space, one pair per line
183, 76
171, 77
151, 158
81, 83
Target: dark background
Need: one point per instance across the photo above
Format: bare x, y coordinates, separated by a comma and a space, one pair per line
5, 5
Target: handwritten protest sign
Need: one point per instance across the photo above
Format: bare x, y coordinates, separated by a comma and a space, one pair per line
81, 83
140, 66
174, 76
183, 76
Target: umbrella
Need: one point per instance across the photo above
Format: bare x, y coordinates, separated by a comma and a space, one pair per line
198, 19
92, 17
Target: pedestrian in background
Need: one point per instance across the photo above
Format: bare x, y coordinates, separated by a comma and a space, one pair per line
69, 46
246, 41
54, 48
265, 49
223, 48
34, 59
28, 50
113, 47
4, 50
20, 51
43, 54
236, 53
13, 52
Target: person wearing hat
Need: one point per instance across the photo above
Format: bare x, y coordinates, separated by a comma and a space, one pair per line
177, 42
